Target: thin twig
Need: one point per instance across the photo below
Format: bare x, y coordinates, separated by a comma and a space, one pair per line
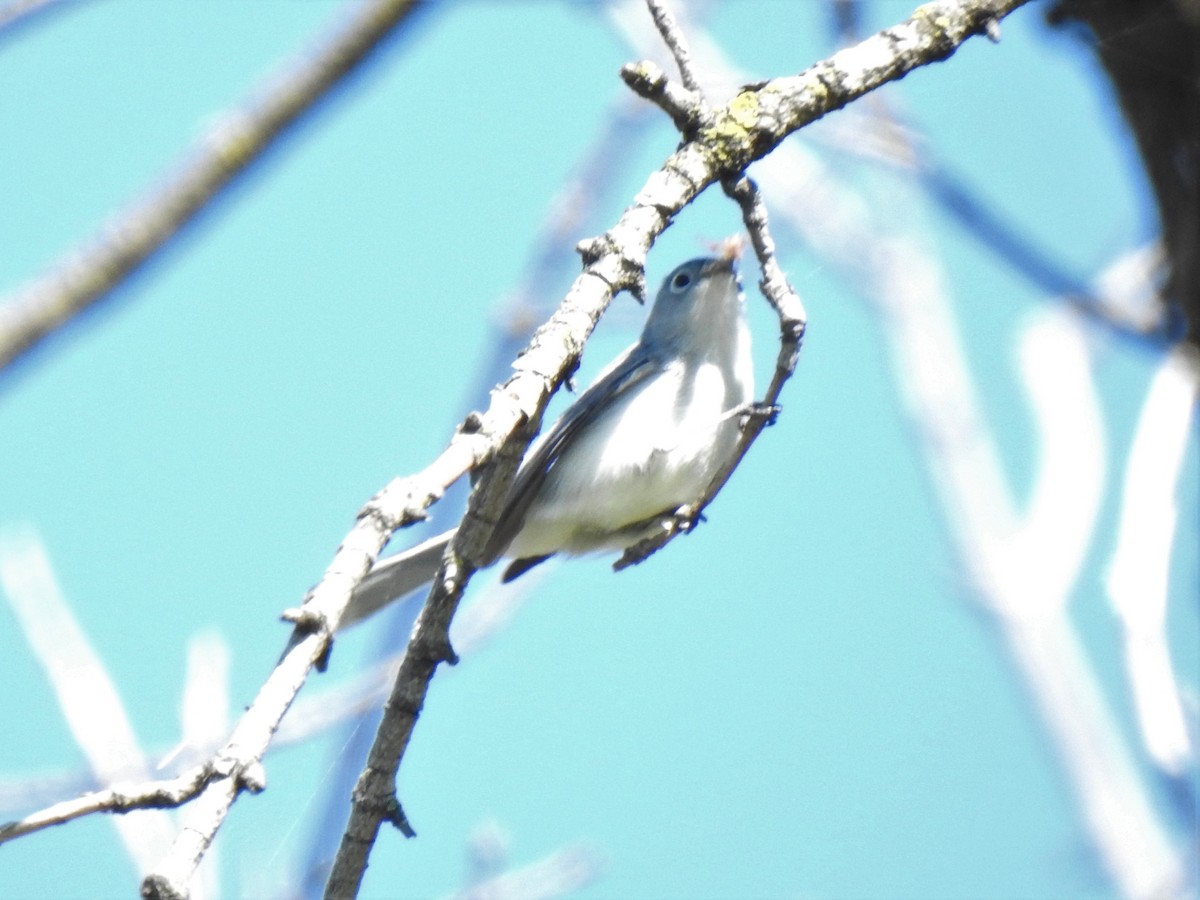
686, 108
162, 794
673, 37
88, 273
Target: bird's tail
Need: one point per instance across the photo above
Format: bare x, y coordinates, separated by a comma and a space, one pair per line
395, 577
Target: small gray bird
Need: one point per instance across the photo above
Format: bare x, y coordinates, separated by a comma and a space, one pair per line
645, 439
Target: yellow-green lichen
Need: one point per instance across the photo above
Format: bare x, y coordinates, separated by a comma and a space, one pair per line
730, 137
933, 14
744, 109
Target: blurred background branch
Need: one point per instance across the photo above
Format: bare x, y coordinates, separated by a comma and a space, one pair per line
88, 273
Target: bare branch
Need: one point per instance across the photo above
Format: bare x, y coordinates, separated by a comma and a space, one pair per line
116, 799
374, 798
88, 273
673, 37
685, 107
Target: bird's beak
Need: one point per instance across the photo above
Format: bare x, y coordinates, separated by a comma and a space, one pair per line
719, 265
730, 250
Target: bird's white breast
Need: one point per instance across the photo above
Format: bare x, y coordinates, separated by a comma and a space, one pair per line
652, 451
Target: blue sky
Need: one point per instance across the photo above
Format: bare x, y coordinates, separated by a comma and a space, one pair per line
800, 699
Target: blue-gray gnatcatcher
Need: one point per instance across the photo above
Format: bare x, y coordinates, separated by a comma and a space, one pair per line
645, 439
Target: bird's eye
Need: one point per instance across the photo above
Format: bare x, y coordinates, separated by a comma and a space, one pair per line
680, 282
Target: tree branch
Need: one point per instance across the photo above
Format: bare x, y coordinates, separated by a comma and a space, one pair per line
119, 798
88, 273
673, 37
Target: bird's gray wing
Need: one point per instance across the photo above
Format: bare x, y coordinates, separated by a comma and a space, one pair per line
410, 569
629, 371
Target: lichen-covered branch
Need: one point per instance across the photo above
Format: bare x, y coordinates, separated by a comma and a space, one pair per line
763, 114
